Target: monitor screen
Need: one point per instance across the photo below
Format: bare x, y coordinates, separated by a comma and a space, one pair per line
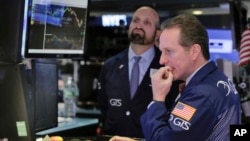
44, 75
220, 40
221, 45
55, 28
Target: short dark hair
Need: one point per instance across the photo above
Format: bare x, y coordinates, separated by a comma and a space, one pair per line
192, 32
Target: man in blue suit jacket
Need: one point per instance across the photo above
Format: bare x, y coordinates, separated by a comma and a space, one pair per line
209, 103
121, 113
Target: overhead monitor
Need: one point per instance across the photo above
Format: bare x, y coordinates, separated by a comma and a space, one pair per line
55, 28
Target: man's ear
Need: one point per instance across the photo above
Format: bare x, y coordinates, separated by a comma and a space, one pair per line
157, 37
195, 50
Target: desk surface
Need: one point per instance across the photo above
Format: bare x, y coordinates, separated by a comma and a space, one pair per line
69, 124
88, 111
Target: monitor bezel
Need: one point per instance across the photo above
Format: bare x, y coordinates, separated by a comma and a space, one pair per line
79, 54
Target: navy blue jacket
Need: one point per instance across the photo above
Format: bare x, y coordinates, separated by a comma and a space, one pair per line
205, 110
121, 114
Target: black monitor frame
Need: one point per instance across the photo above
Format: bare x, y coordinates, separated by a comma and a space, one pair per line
11, 17
55, 29
16, 122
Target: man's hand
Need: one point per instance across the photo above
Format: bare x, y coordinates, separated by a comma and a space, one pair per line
161, 83
120, 138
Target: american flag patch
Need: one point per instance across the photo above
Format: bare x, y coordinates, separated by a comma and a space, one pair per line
184, 111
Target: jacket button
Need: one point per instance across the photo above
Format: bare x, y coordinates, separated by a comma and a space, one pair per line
127, 113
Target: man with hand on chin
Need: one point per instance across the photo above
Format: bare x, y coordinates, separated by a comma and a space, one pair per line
209, 103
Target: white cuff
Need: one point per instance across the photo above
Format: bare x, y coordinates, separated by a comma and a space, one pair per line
152, 102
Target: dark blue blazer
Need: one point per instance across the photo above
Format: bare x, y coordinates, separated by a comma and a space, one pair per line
121, 114
205, 110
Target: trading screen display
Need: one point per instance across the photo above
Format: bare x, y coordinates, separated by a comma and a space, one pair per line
56, 27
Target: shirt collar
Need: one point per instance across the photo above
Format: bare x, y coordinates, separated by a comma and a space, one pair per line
147, 55
192, 75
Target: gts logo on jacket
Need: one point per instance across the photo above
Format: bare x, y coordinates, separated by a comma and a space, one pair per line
115, 102
180, 122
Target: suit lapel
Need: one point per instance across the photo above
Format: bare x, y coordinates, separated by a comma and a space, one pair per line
122, 70
146, 81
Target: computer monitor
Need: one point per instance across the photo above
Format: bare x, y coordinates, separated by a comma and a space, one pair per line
44, 82
221, 45
16, 123
55, 28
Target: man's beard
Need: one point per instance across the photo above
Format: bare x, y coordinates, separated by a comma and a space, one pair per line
140, 39
137, 38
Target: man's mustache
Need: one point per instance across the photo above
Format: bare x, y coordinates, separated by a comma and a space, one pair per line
138, 29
